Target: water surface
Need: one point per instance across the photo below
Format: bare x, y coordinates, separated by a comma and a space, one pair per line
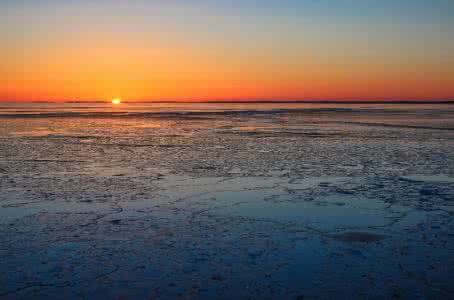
204, 201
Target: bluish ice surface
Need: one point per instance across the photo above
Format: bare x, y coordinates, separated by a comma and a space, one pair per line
226, 202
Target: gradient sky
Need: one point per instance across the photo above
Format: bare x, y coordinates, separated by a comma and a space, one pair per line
227, 50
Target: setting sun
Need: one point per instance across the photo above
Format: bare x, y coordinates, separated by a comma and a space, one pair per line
116, 101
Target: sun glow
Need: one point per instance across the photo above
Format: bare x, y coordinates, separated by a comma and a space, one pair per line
116, 101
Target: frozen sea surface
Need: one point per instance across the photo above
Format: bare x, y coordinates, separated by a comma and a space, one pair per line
226, 201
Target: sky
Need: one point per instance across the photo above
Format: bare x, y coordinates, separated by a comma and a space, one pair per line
188, 50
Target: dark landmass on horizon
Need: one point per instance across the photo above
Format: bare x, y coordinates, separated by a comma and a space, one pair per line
257, 101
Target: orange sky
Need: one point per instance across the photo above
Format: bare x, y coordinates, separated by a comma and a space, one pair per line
219, 56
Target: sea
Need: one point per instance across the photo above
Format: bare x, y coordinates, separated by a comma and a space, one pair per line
226, 200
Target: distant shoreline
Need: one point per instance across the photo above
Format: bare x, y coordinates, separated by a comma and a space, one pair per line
252, 102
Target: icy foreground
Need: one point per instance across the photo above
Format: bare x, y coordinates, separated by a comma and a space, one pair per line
239, 205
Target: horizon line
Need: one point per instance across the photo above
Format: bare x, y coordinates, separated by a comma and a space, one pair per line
248, 101
245, 101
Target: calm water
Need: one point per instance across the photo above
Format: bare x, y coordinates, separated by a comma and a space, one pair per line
226, 201
36, 107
